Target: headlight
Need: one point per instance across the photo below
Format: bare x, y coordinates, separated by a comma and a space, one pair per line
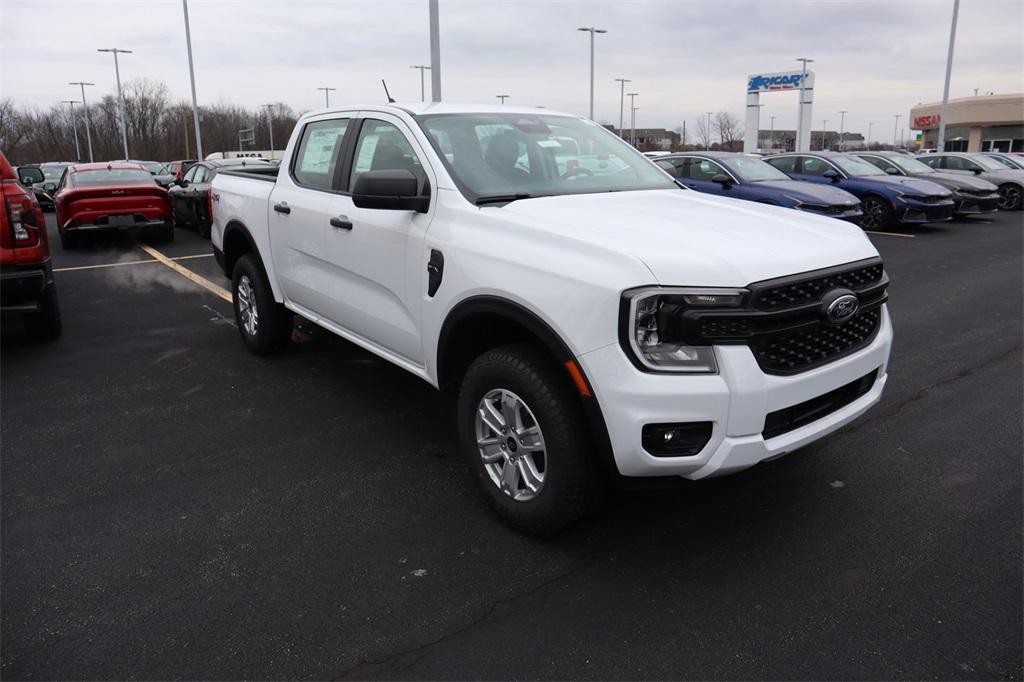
654, 324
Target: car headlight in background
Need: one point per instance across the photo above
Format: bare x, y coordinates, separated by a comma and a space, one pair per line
653, 323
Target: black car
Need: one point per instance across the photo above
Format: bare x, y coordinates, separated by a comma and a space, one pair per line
31, 177
971, 196
190, 195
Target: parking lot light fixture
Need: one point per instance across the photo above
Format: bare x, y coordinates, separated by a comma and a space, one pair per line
270, 126
74, 125
120, 95
895, 128
327, 96
771, 135
800, 110
941, 146
192, 83
622, 101
503, 97
592, 31
824, 126
632, 116
423, 83
708, 139
867, 142
85, 113
842, 121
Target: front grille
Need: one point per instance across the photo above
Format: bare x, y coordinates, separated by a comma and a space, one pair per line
791, 418
784, 322
790, 294
931, 199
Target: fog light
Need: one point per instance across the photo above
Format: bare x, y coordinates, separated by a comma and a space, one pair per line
676, 440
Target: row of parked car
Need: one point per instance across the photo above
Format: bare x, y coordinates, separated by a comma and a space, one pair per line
875, 189
139, 196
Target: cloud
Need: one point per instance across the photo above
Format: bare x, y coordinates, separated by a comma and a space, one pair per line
874, 58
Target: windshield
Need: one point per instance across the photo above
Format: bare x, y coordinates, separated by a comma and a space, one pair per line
856, 167
1007, 162
504, 155
753, 169
115, 176
987, 162
910, 165
53, 172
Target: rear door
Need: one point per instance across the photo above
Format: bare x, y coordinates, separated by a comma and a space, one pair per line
377, 260
299, 210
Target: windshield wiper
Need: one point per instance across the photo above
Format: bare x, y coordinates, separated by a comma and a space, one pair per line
502, 198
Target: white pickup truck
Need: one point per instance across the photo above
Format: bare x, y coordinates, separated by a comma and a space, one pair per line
593, 317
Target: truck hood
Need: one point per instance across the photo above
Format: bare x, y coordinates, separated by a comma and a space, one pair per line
692, 239
809, 192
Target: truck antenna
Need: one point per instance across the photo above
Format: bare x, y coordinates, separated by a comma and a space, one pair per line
390, 98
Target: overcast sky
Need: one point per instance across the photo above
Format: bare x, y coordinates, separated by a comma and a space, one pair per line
684, 57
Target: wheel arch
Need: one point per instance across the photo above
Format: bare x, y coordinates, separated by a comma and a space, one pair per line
480, 323
236, 243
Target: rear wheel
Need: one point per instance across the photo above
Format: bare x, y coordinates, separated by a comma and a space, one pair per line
877, 213
45, 324
265, 324
68, 240
166, 233
1010, 197
522, 431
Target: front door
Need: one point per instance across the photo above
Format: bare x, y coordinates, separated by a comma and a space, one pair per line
376, 256
298, 212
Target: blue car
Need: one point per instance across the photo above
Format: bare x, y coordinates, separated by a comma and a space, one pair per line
885, 199
748, 177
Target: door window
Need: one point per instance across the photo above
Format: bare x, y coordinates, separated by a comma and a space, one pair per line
815, 167
200, 175
786, 164
382, 146
191, 175
702, 169
318, 153
878, 162
933, 161
960, 163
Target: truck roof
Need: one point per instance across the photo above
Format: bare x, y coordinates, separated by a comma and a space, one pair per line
418, 108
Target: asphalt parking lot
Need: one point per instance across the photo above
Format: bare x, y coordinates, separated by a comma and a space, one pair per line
173, 507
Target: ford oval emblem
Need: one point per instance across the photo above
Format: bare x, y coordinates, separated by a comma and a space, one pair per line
842, 309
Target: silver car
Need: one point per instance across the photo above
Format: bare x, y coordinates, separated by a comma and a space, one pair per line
1008, 160
1009, 181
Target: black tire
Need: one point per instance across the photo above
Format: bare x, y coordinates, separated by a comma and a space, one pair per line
166, 233
45, 325
877, 213
203, 226
179, 221
68, 240
273, 324
572, 482
1010, 197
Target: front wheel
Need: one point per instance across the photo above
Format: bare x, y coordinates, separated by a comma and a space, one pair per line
265, 324
521, 429
877, 213
1010, 197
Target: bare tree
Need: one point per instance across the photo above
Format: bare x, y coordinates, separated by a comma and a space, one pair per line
703, 132
729, 131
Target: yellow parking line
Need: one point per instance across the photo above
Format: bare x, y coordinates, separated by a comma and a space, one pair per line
893, 234
128, 262
186, 273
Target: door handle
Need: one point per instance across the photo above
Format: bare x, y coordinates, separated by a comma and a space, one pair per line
341, 222
282, 208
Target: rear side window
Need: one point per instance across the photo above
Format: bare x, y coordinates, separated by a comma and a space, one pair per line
786, 164
318, 153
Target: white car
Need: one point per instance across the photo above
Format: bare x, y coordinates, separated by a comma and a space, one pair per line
593, 318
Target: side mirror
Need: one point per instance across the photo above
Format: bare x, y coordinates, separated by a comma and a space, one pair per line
831, 175
181, 183
892, 171
27, 180
49, 186
722, 179
393, 190
976, 170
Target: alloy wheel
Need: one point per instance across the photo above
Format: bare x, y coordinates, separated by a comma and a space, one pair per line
874, 214
247, 310
511, 445
1009, 197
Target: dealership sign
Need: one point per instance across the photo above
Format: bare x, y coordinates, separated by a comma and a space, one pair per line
785, 80
926, 121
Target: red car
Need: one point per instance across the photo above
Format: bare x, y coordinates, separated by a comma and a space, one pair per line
113, 197
179, 168
26, 275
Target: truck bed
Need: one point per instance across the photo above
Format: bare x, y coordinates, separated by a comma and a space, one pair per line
267, 173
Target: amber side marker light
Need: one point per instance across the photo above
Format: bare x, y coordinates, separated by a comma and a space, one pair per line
577, 377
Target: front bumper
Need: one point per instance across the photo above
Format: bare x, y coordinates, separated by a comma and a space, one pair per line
975, 205
918, 212
736, 401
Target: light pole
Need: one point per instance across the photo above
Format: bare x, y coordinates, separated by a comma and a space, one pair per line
327, 95
708, 148
842, 121
423, 83
85, 112
824, 126
270, 126
74, 124
800, 111
895, 127
592, 31
622, 100
120, 95
871, 124
435, 52
503, 97
632, 117
945, 89
192, 82
632, 123
771, 135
